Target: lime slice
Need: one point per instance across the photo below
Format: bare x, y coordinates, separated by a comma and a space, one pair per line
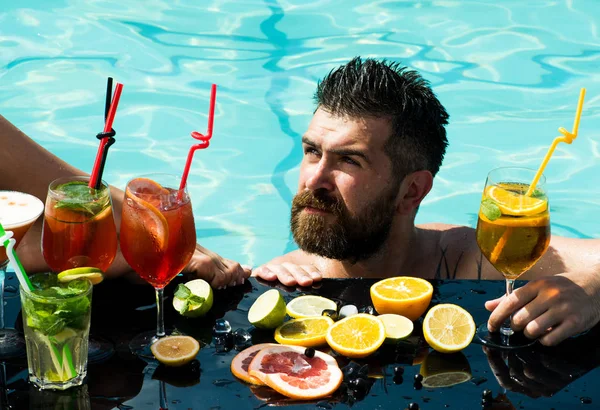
396, 326
194, 299
309, 306
268, 311
94, 275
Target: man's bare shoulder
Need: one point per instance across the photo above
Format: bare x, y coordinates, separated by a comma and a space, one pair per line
446, 232
297, 257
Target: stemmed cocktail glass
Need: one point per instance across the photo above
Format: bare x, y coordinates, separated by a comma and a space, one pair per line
513, 232
18, 212
158, 239
79, 231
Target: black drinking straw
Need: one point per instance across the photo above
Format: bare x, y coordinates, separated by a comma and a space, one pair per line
109, 135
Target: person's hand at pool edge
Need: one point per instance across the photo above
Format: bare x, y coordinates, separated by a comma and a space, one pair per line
288, 273
552, 308
218, 271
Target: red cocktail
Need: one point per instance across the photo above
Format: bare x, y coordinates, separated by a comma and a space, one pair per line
158, 238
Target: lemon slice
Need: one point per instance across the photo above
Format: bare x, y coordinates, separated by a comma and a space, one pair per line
448, 328
307, 332
92, 274
268, 311
309, 305
396, 326
356, 336
512, 203
175, 350
444, 370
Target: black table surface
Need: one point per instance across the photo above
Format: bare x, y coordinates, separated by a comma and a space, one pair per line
538, 377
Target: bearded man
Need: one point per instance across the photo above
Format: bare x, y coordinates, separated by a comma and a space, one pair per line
371, 151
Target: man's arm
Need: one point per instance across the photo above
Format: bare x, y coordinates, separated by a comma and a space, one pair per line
26, 166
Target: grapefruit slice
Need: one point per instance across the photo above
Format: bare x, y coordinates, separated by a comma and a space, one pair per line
240, 363
287, 370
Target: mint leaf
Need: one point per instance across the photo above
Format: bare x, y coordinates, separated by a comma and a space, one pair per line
182, 292
538, 193
195, 300
80, 198
490, 209
185, 307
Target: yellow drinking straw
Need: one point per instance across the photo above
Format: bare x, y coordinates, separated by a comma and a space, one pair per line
567, 137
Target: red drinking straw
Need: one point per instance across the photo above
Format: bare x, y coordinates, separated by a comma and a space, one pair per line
95, 177
204, 138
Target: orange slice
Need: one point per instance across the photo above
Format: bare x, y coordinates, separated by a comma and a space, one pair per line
357, 335
402, 295
175, 350
241, 362
512, 203
290, 372
146, 214
448, 328
522, 222
307, 332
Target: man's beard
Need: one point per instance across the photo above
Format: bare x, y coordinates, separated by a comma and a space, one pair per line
344, 237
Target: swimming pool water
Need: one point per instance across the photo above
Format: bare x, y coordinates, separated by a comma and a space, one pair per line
509, 74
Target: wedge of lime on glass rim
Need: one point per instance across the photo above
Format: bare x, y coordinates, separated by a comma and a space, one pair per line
94, 275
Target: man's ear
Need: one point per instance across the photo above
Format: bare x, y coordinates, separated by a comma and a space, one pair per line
413, 189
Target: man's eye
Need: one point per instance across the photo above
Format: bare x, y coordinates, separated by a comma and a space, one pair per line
310, 151
349, 161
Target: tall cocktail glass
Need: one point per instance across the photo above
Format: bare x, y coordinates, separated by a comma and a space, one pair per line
56, 321
79, 231
18, 211
513, 232
158, 239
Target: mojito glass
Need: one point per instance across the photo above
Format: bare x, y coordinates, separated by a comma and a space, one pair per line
56, 322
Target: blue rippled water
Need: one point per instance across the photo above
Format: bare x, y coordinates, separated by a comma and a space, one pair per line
508, 72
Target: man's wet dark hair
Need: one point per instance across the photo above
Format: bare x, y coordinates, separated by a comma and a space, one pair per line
379, 88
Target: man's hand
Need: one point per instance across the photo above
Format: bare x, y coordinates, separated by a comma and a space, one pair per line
216, 270
552, 308
288, 274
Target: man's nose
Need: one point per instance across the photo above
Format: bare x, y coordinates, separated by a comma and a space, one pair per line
321, 177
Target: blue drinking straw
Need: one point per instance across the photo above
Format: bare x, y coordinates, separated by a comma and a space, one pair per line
7, 240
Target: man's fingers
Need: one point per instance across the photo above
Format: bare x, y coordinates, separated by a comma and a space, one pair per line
283, 275
265, 273
493, 304
302, 277
525, 316
557, 334
511, 303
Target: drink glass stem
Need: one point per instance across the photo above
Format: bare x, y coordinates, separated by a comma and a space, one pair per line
505, 329
160, 318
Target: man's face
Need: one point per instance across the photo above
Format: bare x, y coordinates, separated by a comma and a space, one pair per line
346, 197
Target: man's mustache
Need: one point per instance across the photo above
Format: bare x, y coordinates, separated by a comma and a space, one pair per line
318, 200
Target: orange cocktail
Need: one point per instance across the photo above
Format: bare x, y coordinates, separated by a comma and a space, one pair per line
79, 228
158, 237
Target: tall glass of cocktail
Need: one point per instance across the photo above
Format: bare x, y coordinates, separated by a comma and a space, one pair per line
513, 232
18, 211
79, 228
56, 321
158, 239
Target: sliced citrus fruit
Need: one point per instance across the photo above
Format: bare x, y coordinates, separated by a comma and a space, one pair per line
512, 203
522, 222
290, 372
307, 331
396, 326
402, 295
195, 299
268, 311
240, 363
175, 350
444, 370
448, 328
309, 305
356, 336
92, 274
143, 197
